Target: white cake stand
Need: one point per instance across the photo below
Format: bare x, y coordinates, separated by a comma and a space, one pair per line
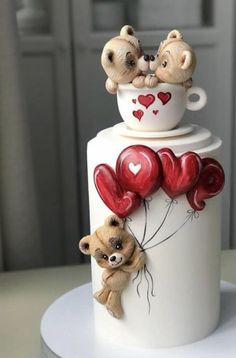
67, 331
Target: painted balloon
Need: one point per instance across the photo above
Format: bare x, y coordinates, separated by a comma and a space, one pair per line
180, 174
118, 200
210, 183
138, 169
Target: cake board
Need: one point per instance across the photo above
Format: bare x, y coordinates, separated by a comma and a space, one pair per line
67, 331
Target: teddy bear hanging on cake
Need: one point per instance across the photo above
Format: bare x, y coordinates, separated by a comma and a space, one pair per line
116, 251
124, 62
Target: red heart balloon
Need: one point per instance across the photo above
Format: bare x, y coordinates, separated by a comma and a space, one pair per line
121, 202
138, 169
179, 174
138, 114
147, 100
164, 97
209, 184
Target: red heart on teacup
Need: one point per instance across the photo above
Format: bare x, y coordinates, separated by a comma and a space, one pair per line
164, 97
155, 111
180, 174
134, 100
138, 114
121, 202
146, 100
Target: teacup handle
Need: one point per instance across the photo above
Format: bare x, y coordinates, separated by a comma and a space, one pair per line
200, 103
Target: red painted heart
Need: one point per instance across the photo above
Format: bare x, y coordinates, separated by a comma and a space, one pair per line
134, 100
209, 184
138, 114
155, 111
121, 202
146, 100
138, 168
179, 174
164, 97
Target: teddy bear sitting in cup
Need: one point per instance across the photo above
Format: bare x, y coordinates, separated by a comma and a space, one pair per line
119, 60
124, 62
174, 62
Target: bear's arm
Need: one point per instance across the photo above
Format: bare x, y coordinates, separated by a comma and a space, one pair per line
139, 81
151, 81
115, 280
111, 86
136, 262
188, 84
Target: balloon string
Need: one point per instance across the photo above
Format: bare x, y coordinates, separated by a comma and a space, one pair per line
140, 281
131, 231
169, 206
192, 214
145, 225
135, 278
148, 288
152, 281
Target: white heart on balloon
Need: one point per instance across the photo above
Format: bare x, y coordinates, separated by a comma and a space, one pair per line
134, 168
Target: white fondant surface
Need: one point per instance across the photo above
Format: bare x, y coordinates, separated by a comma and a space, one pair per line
199, 140
67, 331
122, 129
185, 269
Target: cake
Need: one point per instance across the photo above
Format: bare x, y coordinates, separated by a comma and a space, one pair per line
154, 205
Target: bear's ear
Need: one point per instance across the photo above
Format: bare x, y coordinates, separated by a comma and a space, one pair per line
114, 220
174, 34
186, 60
127, 30
108, 57
84, 245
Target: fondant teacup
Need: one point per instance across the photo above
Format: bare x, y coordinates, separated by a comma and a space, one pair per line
157, 109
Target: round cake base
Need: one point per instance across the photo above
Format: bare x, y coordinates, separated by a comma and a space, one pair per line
67, 331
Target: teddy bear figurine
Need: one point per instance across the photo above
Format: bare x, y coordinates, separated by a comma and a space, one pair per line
174, 62
119, 60
117, 252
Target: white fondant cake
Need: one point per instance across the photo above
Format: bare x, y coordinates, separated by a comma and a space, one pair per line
175, 299
155, 261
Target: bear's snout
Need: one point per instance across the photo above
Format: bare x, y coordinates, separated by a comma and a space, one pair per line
143, 63
153, 63
146, 62
116, 259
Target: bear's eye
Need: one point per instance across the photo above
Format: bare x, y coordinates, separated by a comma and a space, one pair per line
132, 63
164, 64
116, 243
105, 257
119, 246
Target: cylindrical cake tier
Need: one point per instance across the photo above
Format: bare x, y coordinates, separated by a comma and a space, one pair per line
176, 300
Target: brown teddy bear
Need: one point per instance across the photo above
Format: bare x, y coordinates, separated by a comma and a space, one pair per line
117, 252
120, 60
174, 63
